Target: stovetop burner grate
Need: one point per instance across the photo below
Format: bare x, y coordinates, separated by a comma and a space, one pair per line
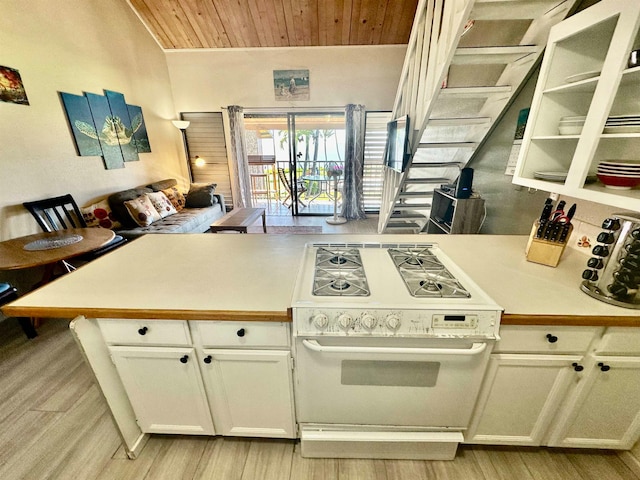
425, 275
339, 272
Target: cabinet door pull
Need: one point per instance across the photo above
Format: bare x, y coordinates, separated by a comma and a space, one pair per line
207, 359
577, 367
551, 338
241, 332
603, 367
184, 359
143, 330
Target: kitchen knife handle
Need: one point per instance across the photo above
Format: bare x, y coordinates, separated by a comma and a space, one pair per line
564, 233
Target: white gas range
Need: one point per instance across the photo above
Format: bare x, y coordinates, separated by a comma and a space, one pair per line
391, 342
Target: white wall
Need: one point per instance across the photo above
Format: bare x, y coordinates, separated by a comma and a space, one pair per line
77, 46
206, 81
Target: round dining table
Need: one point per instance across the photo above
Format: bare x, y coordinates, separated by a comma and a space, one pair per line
49, 249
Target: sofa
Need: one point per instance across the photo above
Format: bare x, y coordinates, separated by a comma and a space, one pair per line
159, 207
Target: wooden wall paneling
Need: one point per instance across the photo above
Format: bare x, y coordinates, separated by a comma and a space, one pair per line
379, 22
199, 16
290, 21
346, 36
162, 30
258, 12
272, 23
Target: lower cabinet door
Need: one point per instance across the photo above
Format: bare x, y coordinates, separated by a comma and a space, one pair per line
250, 392
604, 410
165, 388
519, 397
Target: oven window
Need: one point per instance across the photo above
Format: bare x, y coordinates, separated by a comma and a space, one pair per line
389, 374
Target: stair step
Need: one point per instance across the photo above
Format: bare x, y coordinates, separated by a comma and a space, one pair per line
436, 165
492, 55
407, 218
403, 225
448, 145
426, 181
521, 10
475, 92
445, 122
412, 206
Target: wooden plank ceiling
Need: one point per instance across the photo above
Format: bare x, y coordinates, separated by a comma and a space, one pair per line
180, 24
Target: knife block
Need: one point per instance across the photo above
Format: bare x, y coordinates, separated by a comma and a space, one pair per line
543, 251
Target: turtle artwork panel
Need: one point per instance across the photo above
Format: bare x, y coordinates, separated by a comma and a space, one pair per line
79, 115
124, 128
139, 129
106, 125
107, 129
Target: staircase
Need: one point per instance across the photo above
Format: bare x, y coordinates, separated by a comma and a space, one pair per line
465, 61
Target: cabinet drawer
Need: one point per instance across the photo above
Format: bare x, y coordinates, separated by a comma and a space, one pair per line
145, 332
241, 334
620, 341
545, 339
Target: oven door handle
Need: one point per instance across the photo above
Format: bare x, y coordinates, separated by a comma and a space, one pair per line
475, 349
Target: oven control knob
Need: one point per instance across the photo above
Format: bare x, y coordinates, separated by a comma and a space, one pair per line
368, 321
345, 320
320, 320
393, 322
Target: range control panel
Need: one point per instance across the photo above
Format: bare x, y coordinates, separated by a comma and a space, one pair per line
384, 323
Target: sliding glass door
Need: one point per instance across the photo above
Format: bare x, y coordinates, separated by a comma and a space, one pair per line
295, 161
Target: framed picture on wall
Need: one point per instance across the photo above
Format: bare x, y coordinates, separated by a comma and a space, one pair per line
11, 87
291, 85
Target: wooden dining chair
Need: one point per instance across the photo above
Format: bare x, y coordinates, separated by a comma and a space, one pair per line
62, 213
9, 294
284, 180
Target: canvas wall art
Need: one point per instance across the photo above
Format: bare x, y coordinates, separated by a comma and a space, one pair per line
80, 120
105, 125
11, 87
291, 85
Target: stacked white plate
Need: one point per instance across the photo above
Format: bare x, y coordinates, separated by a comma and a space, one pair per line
622, 124
621, 174
571, 125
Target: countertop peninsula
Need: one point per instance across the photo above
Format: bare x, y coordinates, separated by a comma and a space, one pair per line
251, 277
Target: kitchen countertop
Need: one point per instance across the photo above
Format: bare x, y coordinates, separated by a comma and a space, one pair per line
251, 277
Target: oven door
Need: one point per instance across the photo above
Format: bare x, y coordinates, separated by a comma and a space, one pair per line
389, 381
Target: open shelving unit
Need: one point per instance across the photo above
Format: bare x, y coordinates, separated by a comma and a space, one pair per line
597, 43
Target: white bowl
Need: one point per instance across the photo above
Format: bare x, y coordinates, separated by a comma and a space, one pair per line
570, 129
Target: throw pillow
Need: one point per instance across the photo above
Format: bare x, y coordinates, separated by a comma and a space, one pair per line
142, 211
201, 195
100, 215
162, 184
176, 197
162, 204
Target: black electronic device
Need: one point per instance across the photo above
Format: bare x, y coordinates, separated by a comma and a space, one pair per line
465, 181
398, 153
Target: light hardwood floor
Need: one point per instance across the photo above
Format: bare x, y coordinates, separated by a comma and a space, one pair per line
54, 425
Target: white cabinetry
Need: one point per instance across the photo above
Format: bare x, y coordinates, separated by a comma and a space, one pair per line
561, 387
528, 376
247, 370
158, 368
584, 73
185, 377
604, 410
164, 388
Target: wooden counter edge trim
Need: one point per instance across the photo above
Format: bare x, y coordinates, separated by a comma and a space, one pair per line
571, 320
61, 312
